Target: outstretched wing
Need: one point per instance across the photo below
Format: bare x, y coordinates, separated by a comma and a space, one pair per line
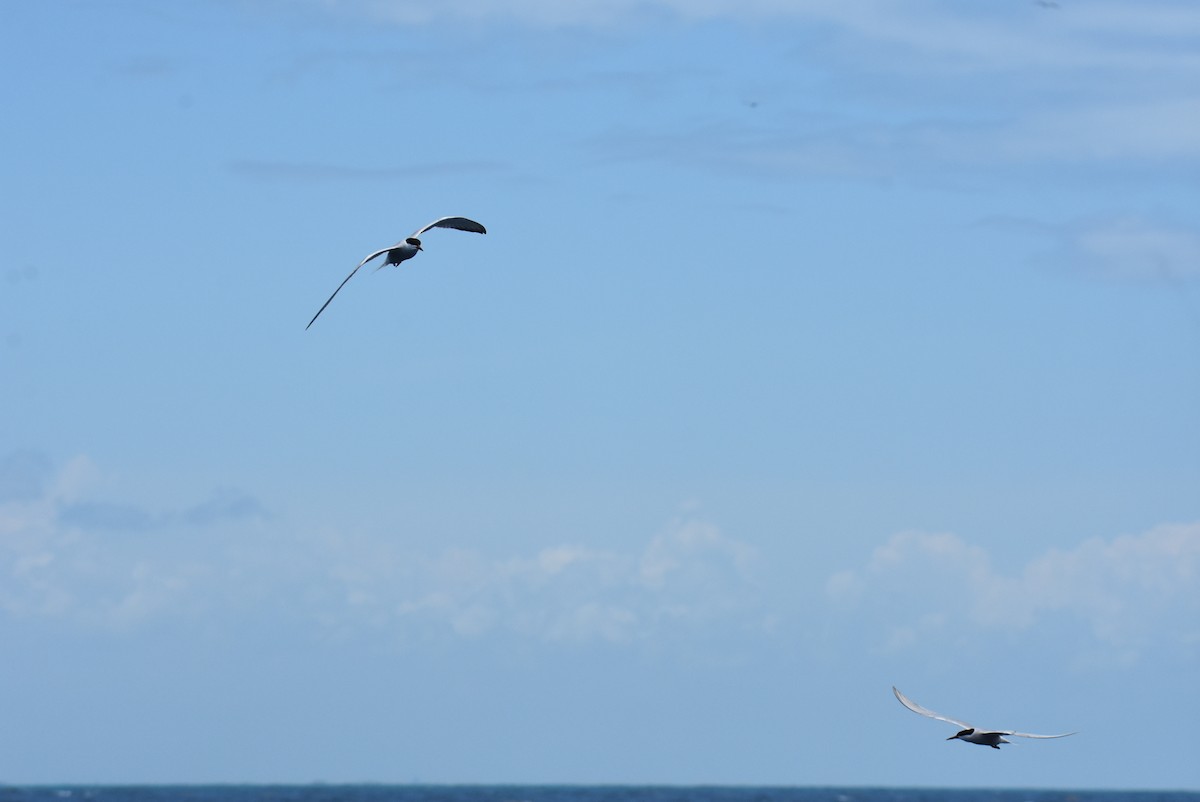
379, 252
924, 711
1031, 735
461, 223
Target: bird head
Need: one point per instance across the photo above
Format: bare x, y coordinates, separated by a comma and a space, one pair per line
416, 243
961, 734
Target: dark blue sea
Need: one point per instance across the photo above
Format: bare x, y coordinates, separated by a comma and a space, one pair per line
557, 793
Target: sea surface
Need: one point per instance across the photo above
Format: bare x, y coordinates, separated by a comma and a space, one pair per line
558, 793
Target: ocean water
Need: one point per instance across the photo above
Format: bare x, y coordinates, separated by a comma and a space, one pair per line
558, 793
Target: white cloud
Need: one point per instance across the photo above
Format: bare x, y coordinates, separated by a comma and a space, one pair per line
595, 621
224, 558
886, 20
694, 549
686, 575
1132, 591
1127, 588
1131, 247
65, 555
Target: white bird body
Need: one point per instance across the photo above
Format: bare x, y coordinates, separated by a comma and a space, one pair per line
397, 254
405, 249
982, 737
974, 735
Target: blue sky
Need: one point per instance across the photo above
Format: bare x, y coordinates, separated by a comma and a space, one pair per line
814, 347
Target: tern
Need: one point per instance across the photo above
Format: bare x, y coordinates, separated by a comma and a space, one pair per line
405, 249
992, 738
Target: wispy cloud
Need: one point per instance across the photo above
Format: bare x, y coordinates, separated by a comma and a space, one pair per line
147, 66
105, 515
23, 475
1140, 37
225, 504
1116, 247
1113, 138
904, 22
915, 88
20, 275
1134, 592
315, 172
1131, 247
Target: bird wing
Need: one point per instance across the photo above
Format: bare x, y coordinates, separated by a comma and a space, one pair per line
1031, 735
461, 223
347, 278
924, 711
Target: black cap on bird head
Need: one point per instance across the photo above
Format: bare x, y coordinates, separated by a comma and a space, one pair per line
960, 734
416, 243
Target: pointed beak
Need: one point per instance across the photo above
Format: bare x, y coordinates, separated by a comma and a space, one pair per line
952, 737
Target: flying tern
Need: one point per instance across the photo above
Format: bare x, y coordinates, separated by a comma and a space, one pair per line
992, 738
405, 249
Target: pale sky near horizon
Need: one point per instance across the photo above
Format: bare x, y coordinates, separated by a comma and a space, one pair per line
814, 347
